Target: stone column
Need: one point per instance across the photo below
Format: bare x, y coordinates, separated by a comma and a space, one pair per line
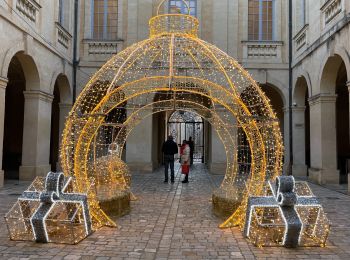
3, 84
64, 111
323, 139
36, 135
139, 147
299, 166
217, 164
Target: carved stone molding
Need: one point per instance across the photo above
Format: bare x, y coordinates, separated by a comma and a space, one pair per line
28, 8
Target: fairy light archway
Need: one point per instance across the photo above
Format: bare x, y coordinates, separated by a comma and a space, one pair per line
189, 74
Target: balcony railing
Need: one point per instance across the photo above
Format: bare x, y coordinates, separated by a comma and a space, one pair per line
28, 8
330, 9
63, 36
301, 38
101, 50
262, 50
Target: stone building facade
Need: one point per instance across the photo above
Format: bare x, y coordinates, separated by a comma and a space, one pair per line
321, 70
36, 73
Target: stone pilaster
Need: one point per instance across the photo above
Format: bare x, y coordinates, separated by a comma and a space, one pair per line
299, 166
3, 84
36, 135
139, 147
323, 143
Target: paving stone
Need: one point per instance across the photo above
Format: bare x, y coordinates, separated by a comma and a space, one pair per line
175, 221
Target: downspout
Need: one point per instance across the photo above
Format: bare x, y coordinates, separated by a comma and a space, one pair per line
290, 38
75, 48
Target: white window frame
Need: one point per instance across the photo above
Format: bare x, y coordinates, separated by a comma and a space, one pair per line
105, 15
260, 37
184, 9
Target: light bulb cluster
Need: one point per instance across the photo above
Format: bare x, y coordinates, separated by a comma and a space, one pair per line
174, 70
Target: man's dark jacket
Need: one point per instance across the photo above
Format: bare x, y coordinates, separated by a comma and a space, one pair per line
169, 147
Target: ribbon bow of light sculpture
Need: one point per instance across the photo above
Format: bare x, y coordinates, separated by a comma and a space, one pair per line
55, 187
285, 198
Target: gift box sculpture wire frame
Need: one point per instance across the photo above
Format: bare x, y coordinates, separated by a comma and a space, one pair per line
289, 215
48, 211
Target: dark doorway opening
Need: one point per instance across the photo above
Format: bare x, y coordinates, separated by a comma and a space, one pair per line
55, 125
184, 124
14, 115
342, 125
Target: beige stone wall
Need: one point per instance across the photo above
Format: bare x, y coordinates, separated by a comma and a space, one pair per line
44, 49
320, 46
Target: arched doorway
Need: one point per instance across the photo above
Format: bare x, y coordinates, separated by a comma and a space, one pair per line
13, 125
54, 137
329, 120
61, 105
183, 125
301, 128
342, 124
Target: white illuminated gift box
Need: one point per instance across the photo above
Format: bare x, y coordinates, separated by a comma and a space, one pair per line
288, 215
49, 211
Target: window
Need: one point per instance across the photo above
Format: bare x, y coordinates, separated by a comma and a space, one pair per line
303, 15
104, 22
60, 12
261, 20
63, 13
179, 7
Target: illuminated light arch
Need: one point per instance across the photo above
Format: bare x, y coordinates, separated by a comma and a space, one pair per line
173, 60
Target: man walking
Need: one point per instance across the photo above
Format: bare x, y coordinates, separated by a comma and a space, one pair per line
169, 149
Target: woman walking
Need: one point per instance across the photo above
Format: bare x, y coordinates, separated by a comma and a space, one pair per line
185, 160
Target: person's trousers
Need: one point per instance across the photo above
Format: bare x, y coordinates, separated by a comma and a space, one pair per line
169, 161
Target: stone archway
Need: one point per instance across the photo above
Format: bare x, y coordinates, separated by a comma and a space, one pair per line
173, 60
61, 105
323, 122
24, 79
342, 125
13, 123
301, 128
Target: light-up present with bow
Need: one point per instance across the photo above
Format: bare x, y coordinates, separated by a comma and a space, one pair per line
48, 211
288, 215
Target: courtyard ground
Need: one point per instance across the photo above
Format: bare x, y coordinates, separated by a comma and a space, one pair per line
175, 221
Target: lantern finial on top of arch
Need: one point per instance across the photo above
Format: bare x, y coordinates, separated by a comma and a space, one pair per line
173, 23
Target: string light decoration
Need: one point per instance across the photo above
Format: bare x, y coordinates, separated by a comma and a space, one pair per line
171, 70
288, 215
49, 211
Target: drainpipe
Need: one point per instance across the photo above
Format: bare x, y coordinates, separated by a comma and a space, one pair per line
290, 38
75, 48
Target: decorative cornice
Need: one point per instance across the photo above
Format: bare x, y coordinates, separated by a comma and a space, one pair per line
322, 98
299, 109
38, 94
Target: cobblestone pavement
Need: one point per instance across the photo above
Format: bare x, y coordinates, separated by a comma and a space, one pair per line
174, 221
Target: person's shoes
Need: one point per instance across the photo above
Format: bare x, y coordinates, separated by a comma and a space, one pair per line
185, 181
165, 181
172, 181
